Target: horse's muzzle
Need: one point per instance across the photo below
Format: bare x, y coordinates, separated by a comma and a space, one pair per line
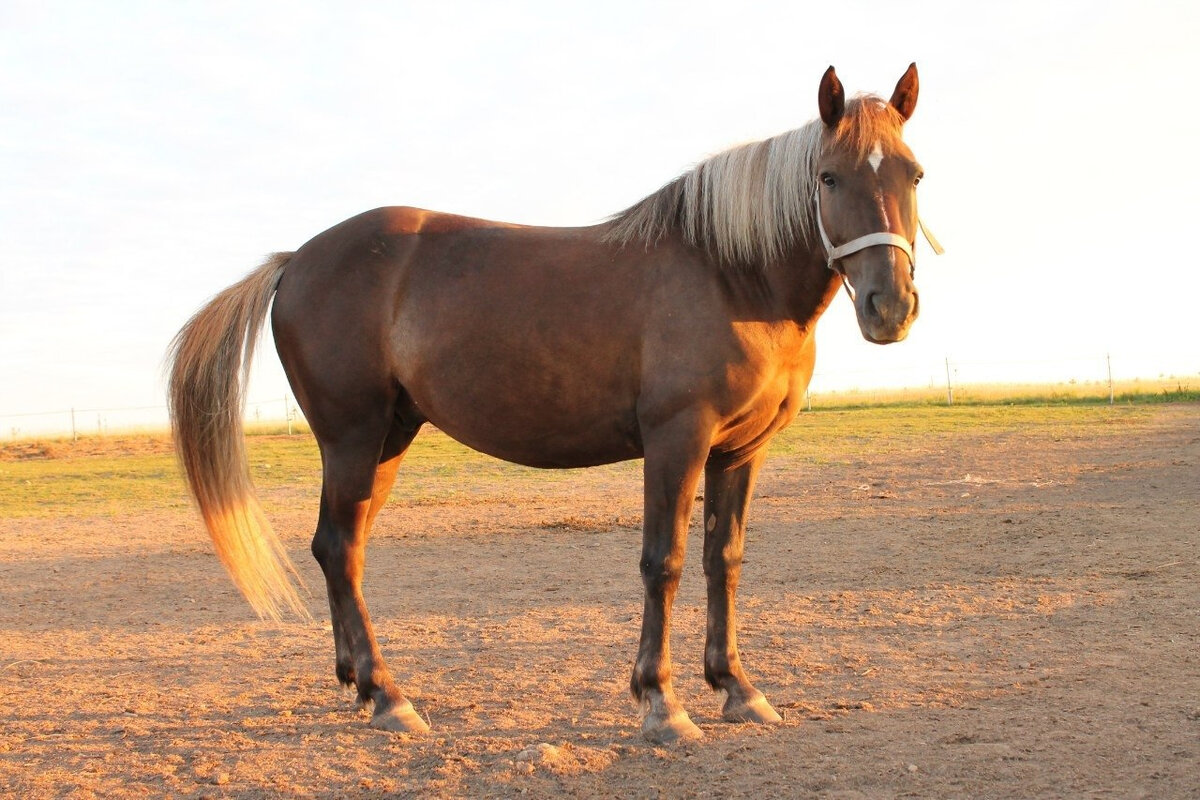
885, 316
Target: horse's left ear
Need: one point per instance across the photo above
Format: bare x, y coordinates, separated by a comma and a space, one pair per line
904, 99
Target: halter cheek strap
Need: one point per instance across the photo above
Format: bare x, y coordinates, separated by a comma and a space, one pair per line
884, 238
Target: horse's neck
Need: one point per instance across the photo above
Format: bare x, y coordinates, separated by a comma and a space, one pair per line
796, 289
813, 287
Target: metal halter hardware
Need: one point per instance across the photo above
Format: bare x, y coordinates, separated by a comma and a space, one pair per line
869, 240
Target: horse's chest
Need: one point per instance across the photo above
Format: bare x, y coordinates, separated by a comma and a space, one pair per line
761, 413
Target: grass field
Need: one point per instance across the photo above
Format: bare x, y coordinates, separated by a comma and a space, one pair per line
110, 475
1140, 390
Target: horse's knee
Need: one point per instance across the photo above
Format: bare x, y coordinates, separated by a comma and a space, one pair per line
661, 572
723, 563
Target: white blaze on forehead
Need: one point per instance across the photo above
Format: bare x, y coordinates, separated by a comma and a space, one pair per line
876, 156
883, 215
887, 225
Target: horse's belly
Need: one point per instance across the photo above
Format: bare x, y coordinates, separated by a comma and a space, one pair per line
548, 441
568, 413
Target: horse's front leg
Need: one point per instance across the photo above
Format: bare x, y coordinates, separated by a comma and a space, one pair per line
727, 493
674, 459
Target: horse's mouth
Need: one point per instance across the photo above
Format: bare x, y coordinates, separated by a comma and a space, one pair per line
878, 331
899, 337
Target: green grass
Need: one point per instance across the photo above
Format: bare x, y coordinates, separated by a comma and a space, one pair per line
89, 485
823, 435
118, 477
1136, 391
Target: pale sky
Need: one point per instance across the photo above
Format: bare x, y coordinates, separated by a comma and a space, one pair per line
153, 153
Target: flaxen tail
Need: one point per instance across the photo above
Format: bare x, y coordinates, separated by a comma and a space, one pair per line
209, 362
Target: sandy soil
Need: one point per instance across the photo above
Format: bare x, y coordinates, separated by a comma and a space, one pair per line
990, 616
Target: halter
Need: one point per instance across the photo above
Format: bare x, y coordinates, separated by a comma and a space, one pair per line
869, 240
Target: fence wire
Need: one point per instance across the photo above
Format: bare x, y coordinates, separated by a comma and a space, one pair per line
952, 379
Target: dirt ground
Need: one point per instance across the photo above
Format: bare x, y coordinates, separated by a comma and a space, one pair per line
993, 615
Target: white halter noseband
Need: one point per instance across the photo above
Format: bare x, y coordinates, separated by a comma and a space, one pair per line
869, 240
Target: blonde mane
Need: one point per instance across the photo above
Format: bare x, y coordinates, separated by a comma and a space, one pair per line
751, 204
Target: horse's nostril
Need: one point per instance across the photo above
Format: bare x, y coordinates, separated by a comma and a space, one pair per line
874, 304
884, 307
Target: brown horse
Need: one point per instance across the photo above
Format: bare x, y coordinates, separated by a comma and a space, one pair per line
680, 332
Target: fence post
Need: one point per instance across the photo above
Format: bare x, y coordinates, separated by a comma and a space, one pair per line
949, 387
1108, 361
287, 412
74, 433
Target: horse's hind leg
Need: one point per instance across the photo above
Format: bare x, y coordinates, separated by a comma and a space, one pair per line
726, 500
358, 474
385, 475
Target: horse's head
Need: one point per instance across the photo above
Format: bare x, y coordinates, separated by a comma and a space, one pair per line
866, 203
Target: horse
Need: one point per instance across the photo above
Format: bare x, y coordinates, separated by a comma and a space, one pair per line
679, 331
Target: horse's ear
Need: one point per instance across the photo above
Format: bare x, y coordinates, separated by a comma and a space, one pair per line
904, 99
831, 98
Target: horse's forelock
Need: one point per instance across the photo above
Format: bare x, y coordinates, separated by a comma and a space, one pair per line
869, 120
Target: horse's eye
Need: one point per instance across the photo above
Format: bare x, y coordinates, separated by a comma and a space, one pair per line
828, 180
917, 179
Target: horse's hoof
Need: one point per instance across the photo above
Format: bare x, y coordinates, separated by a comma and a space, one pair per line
756, 710
399, 719
677, 727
